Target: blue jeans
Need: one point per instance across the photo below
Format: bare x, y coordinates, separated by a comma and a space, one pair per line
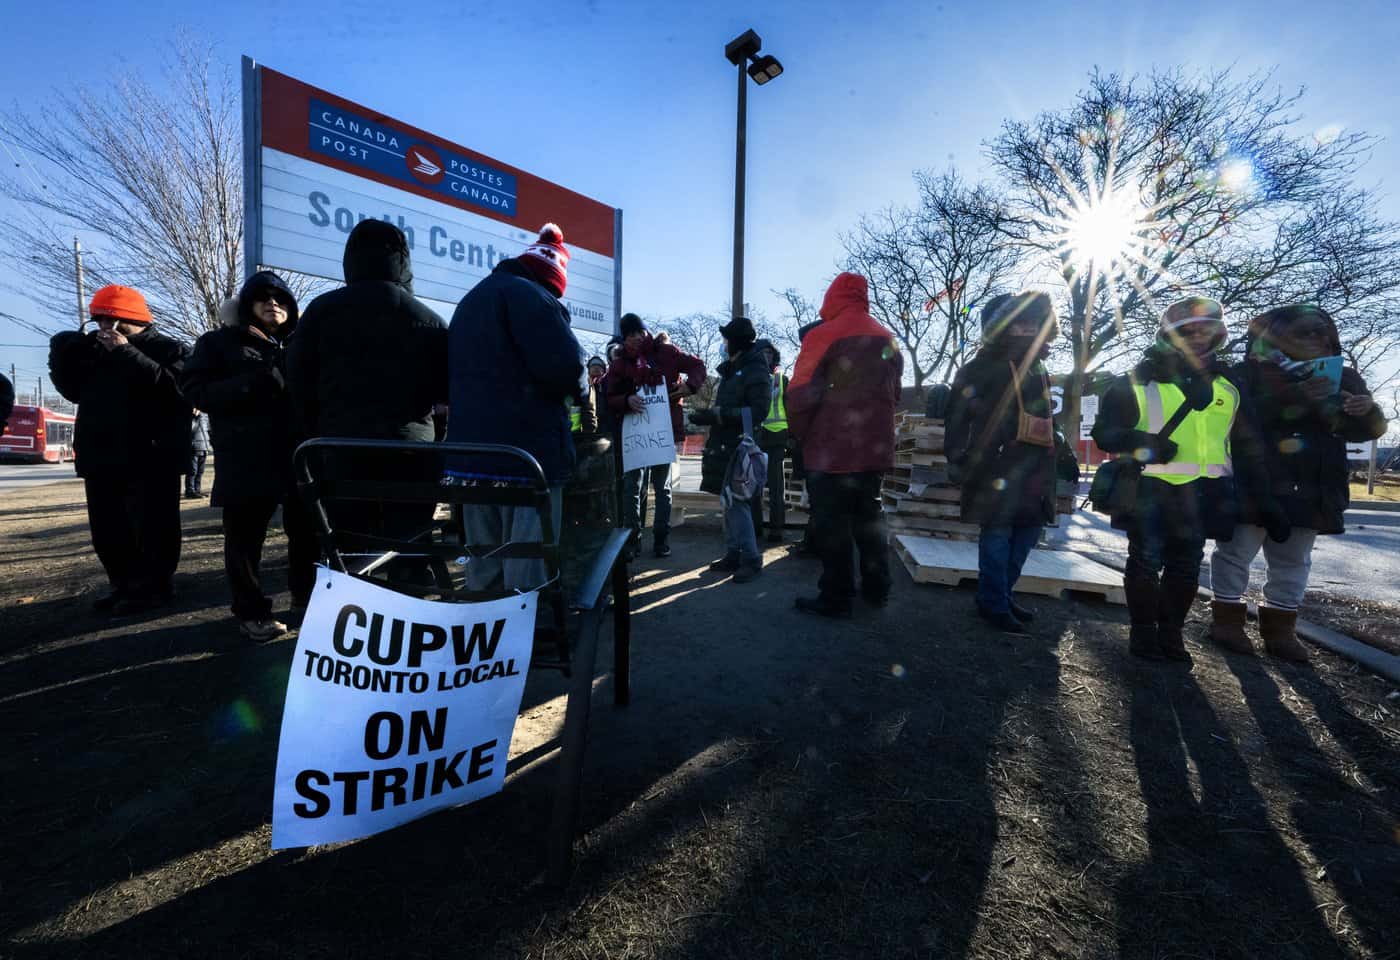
634, 486
1001, 553
739, 536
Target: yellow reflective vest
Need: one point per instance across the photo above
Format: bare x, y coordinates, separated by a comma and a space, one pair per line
777, 408
1203, 437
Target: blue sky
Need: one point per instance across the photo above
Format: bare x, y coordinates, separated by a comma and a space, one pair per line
633, 103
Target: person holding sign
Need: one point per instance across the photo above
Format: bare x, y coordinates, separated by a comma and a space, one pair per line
514, 365
744, 388
652, 365
1309, 407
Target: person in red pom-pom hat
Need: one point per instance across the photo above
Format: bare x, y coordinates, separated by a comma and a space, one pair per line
547, 259
513, 365
132, 442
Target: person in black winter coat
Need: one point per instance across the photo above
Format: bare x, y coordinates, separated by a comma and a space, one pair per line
745, 385
1187, 493
514, 367
199, 453
369, 361
1305, 422
237, 375
1007, 474
131, 442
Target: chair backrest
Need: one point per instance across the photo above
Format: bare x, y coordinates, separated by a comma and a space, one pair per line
342, 471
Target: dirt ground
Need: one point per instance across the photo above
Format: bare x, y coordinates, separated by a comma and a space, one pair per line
905, 784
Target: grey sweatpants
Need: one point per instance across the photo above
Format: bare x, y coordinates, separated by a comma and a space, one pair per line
499, 525
1288, 565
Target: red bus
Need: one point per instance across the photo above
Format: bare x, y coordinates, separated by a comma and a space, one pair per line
37, 435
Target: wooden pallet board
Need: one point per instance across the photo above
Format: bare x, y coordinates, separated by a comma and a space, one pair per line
918, 458
903, 503
934, 524
1047, 573
918, 490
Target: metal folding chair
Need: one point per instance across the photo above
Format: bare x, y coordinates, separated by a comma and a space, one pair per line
372, 556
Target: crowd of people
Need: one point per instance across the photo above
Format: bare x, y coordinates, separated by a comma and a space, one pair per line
1251, 456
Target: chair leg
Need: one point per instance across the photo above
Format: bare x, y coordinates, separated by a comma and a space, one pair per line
573, 741
622, 635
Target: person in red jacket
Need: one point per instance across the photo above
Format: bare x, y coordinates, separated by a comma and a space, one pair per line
647, 361
840, 407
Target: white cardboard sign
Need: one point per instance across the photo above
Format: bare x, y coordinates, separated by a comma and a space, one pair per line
647, 440
396, 707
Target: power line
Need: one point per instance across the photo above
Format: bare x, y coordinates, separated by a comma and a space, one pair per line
26, 324
9, 136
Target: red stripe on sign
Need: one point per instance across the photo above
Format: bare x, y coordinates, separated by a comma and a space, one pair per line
285, 105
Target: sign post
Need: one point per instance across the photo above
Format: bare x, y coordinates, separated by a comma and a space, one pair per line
316, 164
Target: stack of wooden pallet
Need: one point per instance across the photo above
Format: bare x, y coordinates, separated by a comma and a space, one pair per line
918, 496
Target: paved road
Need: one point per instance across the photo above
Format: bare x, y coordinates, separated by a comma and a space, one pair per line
1362, 563
16, 475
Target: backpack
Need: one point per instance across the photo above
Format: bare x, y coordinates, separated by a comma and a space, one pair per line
748, 468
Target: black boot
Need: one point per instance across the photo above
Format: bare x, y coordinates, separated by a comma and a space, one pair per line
1173, 606
727, 563
1142, 611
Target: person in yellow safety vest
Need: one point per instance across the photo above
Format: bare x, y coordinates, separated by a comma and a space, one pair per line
773, 439
1186, 493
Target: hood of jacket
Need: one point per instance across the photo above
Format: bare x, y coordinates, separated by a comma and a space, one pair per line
378, 251
259, 282
849, 291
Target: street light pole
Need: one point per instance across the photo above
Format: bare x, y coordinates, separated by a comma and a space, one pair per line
740, 51
736, 307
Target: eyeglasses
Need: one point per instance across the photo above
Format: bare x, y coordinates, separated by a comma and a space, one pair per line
268, 296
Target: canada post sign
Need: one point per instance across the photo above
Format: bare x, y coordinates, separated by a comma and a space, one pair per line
316, 164
339, 133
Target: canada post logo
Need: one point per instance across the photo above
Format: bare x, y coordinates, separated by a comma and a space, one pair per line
378, 146
425, 165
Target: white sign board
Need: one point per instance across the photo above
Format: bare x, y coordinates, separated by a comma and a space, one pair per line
1089, 407
396, 707
316, 164
1360, 451
1086, 429
647, 440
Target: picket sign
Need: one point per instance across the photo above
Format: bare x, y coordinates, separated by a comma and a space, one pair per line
647, 440
396, 707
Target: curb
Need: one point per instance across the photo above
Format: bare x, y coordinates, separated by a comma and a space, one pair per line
1384, 506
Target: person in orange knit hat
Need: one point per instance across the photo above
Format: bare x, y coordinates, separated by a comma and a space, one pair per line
131, 442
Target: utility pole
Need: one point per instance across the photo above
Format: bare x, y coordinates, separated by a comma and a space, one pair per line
39, 390
78, 263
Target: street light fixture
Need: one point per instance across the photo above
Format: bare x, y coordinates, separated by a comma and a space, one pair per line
739, 52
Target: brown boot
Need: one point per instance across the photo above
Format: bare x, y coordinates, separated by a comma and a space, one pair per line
1278, 628
1227, 622
1174, 601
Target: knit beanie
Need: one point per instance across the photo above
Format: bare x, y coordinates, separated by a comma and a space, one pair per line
630, 324
547, 259
120, 303
1030, 306
739, 332
1194, 310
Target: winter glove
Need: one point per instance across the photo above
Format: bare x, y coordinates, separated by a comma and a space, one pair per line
705, 418
1276, 523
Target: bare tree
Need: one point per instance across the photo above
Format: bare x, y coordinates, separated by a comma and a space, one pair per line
1149, 187
799, 313
929, 266
152, 178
